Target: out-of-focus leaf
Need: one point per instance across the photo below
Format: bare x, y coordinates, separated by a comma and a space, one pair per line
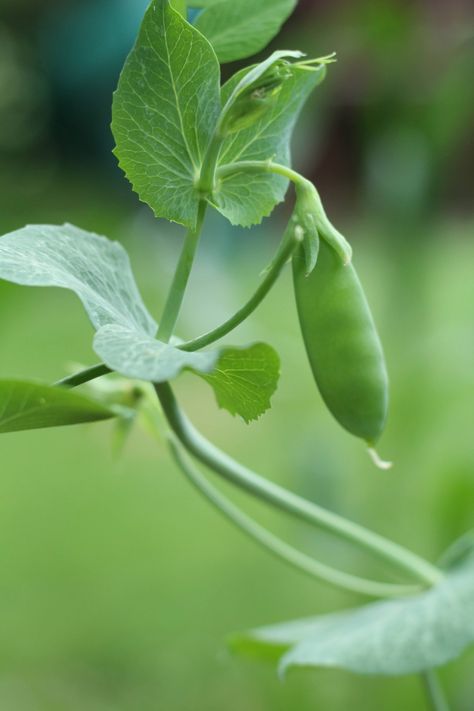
239, 28
26, 405
395, 637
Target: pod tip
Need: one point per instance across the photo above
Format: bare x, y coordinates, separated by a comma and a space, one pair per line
379, 463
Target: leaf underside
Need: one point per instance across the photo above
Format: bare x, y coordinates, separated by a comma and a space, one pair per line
393, 638
240, 29
26, 405
243, 379
95, 268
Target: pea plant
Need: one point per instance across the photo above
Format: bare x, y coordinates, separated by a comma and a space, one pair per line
188, 144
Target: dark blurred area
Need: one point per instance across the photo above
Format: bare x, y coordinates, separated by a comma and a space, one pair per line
118, 586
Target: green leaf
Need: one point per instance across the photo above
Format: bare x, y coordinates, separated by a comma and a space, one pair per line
396, 637
243, 379
239, 28
28, 405
95, 268
139, 356
164, 112
246, 198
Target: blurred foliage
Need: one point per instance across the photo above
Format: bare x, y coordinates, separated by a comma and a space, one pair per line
118, 584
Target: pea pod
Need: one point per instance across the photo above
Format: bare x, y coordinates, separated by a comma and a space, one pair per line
342, 344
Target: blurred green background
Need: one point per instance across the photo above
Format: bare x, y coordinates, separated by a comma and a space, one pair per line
118, 585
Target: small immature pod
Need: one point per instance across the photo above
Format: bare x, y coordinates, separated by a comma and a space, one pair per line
342, 343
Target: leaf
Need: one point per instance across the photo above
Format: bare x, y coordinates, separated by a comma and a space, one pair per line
239, 28
28, 405
246, 198
137, 355
243, 379
396, 637
95, 268
164, 112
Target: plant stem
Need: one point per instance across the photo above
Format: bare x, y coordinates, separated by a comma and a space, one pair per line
275, 545
208, 171
284, 253
181, 277
84, 376
279, 497
434, 692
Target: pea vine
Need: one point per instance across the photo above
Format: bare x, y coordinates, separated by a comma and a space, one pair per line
188, 144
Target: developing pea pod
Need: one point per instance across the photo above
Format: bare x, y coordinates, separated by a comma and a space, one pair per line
342, 344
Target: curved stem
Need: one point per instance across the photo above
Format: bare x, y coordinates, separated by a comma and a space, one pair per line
275, 545
181, 277
261, 166
279, 497
434, 692
84, 376
285, 251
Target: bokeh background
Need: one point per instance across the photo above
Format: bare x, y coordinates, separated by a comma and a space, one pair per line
118, 585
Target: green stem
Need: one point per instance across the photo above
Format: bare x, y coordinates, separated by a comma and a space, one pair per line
208, 171
325, 227
181, 277
279, 497
275, 545
284, 253
84, 376
434, 692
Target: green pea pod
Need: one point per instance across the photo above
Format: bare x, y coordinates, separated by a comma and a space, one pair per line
343, 347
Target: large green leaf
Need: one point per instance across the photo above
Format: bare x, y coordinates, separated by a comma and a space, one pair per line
28, 405
243, 379
240, 28
245, 198
395, 637
164, 112
95, 268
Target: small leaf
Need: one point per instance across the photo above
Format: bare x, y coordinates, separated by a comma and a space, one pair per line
239, 28
246, 198
28, 405
95, 268
396, 637
243, 379
164, 112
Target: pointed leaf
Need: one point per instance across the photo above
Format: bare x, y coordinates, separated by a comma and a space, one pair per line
28, 405
95, 268
164, 112
395, 637
246, 198
243, 379
239, 28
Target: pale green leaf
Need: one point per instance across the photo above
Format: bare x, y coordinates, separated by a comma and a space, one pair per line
243, 379
95, 268
246, 198
139, 356
164, 112
240, 28
26, 405
396, 637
